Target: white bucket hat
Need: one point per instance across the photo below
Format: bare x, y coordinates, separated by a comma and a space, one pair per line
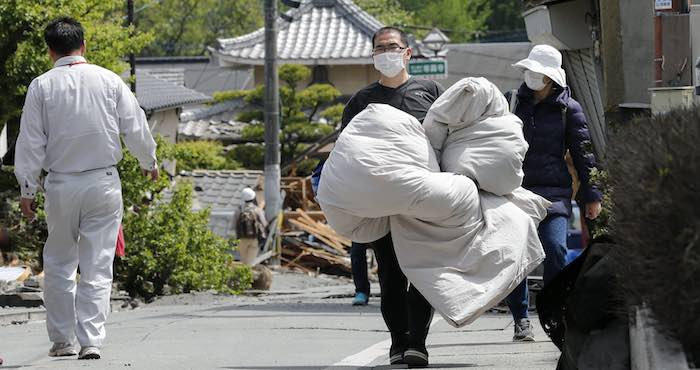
546, 60
248, 194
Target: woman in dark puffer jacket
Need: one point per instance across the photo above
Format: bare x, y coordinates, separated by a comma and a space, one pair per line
553, 122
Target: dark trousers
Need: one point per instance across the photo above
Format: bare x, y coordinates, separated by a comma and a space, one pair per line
358, 262
406, 312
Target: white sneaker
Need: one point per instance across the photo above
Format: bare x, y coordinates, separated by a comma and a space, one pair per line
89, 353
62, 349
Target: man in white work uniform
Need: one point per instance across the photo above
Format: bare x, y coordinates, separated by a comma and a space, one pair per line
71, 123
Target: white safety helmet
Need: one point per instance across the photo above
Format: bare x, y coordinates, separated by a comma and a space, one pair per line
248, 194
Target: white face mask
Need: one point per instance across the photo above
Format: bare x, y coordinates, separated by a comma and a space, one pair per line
389, 64
534, 80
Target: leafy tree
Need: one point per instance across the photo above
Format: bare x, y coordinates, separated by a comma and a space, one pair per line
463, 18
389, 12
299, 109
316, 96
253, 132
221, 96
252, 156
23, 53
292, 74
187, 27
333, 114
506, 15
251, 116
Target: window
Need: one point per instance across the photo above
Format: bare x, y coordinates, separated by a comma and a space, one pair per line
319, 75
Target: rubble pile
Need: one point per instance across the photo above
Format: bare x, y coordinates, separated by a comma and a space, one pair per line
312, 246
19, 288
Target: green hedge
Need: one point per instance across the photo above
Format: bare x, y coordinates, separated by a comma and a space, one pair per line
654, 171
169, 248
172, 250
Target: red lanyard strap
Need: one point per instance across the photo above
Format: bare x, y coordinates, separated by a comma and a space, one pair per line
78, 62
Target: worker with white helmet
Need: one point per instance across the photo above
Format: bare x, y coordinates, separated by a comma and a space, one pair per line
251, 226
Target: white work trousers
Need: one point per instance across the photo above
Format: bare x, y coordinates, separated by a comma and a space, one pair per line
83, 213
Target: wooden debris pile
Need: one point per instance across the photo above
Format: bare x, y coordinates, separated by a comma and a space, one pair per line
299, 194
310, 245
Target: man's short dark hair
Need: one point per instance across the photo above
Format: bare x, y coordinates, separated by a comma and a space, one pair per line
383, 30
64, 35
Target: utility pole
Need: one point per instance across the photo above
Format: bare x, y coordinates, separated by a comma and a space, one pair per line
132, 57
272, 117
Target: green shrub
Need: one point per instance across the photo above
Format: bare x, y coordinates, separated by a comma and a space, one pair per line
202, 155
317, 95
306, 167
171, 249
292, 74
306, 132
334, 114
26, 238
222, 96
251, 156
600, 227
654, 169
250, 116
254, 133
136, 187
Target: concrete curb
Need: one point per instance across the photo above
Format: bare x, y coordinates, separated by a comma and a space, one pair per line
650, 349
22, 316
15, 316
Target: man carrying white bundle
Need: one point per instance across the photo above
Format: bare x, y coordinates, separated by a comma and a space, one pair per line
405, 311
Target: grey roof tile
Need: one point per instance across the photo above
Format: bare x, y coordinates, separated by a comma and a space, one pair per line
224, 111
219, 190
227, 132
322, 31
156, 94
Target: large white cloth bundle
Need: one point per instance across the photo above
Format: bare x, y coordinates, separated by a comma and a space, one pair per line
463, 249
474, 134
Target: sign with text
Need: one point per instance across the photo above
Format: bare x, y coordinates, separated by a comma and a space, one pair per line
428, 68
663, 4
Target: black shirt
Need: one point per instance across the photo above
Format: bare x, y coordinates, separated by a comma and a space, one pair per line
413, 97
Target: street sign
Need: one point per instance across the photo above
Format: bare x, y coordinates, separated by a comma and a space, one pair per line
428, 68
663, 4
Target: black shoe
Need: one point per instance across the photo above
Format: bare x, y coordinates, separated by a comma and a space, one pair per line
396, 354
416, 357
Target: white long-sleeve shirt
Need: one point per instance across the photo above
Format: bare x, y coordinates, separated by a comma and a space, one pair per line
71, 122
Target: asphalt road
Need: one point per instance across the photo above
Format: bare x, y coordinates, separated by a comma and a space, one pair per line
311, 328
